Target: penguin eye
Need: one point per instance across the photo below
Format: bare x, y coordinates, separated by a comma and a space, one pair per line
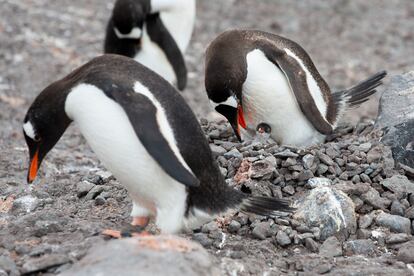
36, 138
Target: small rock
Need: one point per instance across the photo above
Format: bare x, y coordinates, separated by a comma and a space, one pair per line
43, 263
397, 238
289, 162
363, 234
105, 175
374, 155
203, 239
365, 147
311, 245
214, 134
234, 153
44, 227
359, 247
289, 190
325, 159
351, 166
397, 208
100, 200
282, 238
373, 197
356, 179
406, 252
331, 247
329, 209
409, 213
261, 231
365, 178
286, 154
365, 221
318, 182
322, 168
308, 161
209, 227
94, 192
399, 184
234, 226
262, 169
217, 150
8, 266
394, 223
25, 204
305, 175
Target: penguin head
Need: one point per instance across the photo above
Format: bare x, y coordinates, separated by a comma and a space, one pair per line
225, 73
263, 128
128, 18
224, 80
44, 124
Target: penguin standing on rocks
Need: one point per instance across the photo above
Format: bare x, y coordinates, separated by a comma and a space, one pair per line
154, 33
254, 76
147, 136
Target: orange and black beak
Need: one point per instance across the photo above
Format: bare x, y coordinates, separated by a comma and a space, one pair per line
33, 165
235, 117
240, 121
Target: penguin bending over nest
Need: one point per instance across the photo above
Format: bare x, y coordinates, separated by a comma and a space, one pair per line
147, 136
254, 76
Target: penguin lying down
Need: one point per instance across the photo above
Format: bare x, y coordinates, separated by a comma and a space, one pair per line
147, 136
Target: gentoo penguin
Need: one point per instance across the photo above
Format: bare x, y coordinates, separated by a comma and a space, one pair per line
254, 76
146, 135
263, 132
153, 32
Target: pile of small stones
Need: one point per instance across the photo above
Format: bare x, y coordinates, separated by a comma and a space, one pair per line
353, 161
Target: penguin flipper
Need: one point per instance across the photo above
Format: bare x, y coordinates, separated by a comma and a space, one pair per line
296, 77
160, 35
145, 119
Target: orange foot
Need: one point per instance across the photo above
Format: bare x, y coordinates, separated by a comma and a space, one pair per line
123, 234
135, 230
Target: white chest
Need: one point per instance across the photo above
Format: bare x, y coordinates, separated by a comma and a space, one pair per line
106, 127
178, 17
153, 57
267, 98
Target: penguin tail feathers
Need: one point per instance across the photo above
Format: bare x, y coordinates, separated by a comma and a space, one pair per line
358, 94
361, 92
265, 206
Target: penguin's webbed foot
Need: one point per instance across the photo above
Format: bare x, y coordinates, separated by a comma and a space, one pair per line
133, 231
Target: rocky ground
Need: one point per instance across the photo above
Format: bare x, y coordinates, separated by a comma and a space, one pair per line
363, 224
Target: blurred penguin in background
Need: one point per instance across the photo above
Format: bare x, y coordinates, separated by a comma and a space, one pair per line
155, 33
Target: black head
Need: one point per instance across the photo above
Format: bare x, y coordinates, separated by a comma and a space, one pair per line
44, 124
226, 71
263, 128
129, 16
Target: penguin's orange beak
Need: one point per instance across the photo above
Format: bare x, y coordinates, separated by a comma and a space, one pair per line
33, 168
240, 117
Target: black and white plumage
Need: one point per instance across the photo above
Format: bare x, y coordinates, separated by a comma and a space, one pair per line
254, 76
156, 33
146, 135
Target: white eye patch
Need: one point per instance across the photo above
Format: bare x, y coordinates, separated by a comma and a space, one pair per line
231, 101
134, 34
29, 130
